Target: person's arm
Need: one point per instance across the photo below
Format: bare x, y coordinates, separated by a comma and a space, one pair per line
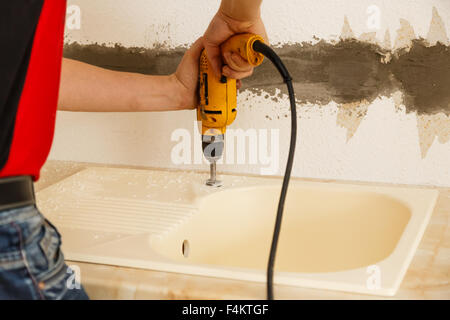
88, 88
241, 10
233, 17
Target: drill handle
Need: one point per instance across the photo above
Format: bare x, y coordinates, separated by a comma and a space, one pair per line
242, 44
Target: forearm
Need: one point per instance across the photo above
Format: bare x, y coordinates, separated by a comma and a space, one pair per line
88, 88
241, 10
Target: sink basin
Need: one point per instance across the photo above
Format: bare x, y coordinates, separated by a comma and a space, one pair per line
345, 237
323, 230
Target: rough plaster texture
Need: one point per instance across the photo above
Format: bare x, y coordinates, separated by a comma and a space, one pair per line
377, 140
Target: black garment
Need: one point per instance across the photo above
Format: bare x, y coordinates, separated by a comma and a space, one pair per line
18, 21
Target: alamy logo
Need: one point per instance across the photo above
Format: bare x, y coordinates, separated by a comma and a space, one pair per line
374, 17
74, 280
374, 280
262, 146
73, 17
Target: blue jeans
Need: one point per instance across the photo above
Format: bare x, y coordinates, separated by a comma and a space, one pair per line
31, 263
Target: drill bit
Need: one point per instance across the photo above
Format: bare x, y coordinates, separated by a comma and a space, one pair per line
212, 181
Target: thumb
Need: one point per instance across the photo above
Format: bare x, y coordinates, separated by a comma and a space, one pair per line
189, 63
197, 48
194, 52
215, 58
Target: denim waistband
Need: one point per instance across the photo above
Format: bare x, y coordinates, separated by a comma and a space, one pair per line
18, 214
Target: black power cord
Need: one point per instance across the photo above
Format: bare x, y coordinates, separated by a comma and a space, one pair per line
272, 56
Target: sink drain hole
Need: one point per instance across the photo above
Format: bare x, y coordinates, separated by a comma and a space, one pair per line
185, 248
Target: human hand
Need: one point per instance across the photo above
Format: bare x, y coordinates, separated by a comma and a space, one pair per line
221, 28
186, 76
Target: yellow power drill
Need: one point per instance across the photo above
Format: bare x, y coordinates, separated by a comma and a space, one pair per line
217, 110
218, 99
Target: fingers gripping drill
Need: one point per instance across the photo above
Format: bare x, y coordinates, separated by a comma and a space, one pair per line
218, 99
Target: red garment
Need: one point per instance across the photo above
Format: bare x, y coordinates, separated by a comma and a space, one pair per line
35, 119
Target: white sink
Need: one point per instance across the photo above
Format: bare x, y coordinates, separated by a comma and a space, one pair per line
334, 236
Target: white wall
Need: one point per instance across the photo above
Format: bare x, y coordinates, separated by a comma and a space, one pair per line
179, 22
387, 145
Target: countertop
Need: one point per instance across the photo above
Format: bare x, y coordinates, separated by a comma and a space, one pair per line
427, 277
